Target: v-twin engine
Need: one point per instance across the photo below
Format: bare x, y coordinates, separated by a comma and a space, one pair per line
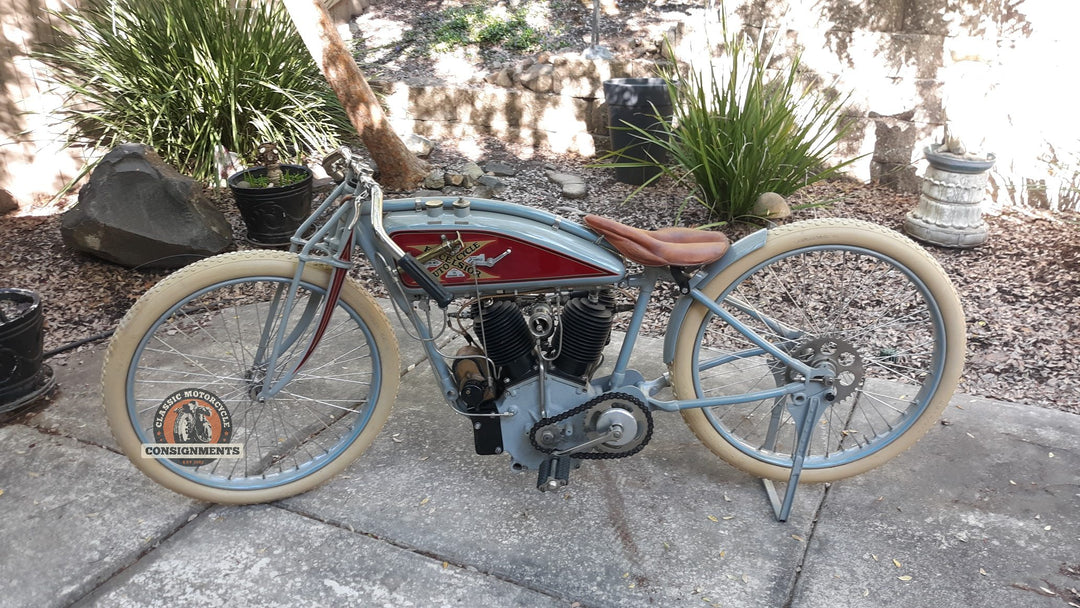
515, 335
536, 343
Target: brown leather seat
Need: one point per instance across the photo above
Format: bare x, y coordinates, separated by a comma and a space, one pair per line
664, 247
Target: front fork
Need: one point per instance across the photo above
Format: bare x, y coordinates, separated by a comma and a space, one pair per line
279, 314
332, 244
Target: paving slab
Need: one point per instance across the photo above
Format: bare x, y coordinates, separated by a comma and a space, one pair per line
73, 515
264, 556
76, 409
672, 524
981, 512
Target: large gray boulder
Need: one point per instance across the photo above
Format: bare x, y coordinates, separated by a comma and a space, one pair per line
140, 212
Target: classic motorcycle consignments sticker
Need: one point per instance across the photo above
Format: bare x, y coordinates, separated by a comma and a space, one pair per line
192, 427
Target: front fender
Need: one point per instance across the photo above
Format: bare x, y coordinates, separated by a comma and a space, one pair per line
738, 250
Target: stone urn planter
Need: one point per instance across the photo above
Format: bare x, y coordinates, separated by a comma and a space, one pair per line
949, 212
273, 199
23, 376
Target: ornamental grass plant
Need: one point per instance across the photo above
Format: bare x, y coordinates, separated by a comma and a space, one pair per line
189, 76
740, 129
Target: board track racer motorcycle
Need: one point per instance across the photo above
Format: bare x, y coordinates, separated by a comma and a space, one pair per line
813, 351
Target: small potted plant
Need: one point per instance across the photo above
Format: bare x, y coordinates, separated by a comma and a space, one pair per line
273, 199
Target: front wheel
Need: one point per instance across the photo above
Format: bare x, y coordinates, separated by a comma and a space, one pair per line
185, 370
852, 296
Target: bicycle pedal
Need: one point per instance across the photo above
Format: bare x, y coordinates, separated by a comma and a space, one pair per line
554, 473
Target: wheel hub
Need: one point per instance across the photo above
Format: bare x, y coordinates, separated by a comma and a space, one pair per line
254, 378
837, 355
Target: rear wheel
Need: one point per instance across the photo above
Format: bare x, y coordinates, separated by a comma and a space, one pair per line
853, 296
188, 363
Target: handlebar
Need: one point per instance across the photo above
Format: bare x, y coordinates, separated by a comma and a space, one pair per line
342, 164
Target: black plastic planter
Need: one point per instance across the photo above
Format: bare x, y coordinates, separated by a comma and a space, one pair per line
23, 376
272, 215
636, 102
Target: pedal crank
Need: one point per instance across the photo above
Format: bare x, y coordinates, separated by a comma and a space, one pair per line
617, 427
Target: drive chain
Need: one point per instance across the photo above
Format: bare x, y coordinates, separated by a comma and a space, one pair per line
543, 422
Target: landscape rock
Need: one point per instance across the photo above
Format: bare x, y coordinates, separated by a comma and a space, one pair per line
504, 78
492, 184
562, 178
138, 211
580, 77
7, 202
434, 180
573, 186
771, 205
485, 192
574, 190
472, 173
538, 77
419, 145
499, 169
452, 178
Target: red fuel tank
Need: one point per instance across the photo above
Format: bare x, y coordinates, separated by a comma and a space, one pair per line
489, 257
503, 245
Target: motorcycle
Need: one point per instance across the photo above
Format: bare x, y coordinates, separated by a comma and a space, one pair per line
809, 352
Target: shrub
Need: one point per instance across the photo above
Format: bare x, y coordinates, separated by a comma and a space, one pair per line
737, 131
185, 76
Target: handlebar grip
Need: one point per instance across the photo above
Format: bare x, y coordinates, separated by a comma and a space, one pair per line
419, 274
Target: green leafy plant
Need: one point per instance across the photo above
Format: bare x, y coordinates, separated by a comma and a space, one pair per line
188, 76
288, 178
485, 26
737, 131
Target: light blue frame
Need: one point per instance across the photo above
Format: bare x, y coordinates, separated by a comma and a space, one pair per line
592, 248
350, 222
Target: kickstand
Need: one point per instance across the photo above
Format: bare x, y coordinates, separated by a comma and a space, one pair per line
805, 417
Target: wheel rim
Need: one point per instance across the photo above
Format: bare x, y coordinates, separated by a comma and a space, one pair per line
858, 299
209, 341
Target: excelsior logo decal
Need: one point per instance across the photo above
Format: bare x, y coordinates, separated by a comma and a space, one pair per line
465, 263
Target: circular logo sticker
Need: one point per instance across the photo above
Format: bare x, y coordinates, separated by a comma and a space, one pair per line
191, 422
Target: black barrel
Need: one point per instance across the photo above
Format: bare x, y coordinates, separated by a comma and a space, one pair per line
636, 102
20, 344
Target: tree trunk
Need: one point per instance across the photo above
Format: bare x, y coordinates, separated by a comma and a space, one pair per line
399, 169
